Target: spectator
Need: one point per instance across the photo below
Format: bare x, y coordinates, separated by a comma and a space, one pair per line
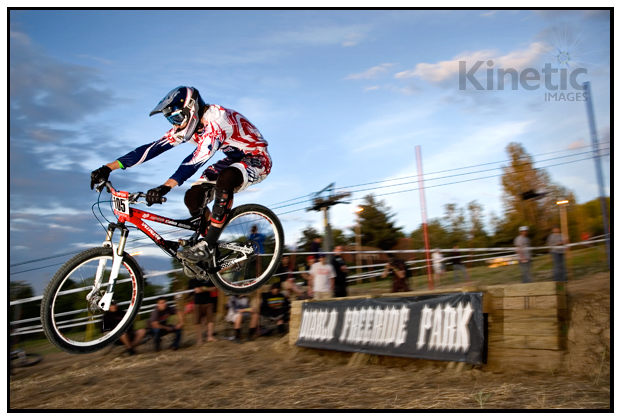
275, 305
257, 238
322, 276
340, 268
399, 274
438, 267
555, 240
522, 244
310, 260
457, 265
204, 308
130, 338
240, 310
287, 280
316, 248
159, 323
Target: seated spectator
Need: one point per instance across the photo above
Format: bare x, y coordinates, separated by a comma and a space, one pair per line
240, 310
159, 324
276, 306
204, 308
130, 338
285, 276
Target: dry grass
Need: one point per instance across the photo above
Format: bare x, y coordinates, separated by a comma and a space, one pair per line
268, 374
259, 375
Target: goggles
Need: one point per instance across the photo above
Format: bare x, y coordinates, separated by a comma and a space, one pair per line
176, 117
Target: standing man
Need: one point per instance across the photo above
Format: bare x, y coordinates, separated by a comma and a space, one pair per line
316, 248
321, 283
438, 269
556, 241
522, 244
204, 308
457, 265
340, 268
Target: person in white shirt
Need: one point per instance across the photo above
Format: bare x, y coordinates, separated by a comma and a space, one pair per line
321, 283
438, 269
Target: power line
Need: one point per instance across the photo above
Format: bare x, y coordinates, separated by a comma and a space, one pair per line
433, 179
370, 189
272, 206
448, 183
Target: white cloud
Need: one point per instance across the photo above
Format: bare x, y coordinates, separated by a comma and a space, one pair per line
352, 39
372, 73
443, 70
320, 35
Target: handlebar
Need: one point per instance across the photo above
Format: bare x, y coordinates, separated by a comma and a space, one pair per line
133, 197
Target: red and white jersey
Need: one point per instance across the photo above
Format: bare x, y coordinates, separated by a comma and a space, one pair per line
219, 129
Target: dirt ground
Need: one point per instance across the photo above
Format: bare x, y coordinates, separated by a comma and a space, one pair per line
269, 374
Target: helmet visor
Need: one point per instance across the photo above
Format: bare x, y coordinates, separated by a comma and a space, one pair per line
176, 118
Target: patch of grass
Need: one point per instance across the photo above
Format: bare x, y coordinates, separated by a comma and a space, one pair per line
482, 397
581, 262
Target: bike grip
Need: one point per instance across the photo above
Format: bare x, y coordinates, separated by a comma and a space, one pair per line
163, 200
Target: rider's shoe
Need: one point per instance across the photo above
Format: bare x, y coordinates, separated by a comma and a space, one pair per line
201, 252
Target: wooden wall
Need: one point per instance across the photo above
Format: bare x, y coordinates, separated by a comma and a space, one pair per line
527, 324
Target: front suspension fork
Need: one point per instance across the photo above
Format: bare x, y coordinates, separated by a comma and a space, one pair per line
117, 260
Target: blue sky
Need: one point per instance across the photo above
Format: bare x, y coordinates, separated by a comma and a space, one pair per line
341, 96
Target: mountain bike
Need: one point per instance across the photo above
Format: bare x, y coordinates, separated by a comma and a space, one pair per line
249, 249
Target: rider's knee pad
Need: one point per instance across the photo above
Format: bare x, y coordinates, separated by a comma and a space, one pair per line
198, 196
229, 179
222, 205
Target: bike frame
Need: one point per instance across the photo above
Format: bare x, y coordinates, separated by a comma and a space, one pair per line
126, 214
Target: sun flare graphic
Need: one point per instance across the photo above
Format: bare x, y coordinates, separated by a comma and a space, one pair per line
563, 47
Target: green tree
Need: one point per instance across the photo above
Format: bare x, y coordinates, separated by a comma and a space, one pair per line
376, 226
589, 217
477, 235
455, 224
308, 236
520, 176
437, 233
341, 238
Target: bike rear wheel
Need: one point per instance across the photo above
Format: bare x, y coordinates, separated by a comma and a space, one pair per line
73, 323
258, 226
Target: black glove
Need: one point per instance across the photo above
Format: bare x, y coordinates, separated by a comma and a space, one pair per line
155, 195
100, 175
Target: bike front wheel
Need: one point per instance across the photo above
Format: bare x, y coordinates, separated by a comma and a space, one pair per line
71, 320
255, 226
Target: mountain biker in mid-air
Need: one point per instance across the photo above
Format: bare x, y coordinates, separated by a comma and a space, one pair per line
211, 128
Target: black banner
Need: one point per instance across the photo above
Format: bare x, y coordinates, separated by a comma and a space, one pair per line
438, 327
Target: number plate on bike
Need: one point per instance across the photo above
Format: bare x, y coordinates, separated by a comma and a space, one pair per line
120, 203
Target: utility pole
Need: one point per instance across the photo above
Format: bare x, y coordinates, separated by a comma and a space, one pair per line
598, 168
323, 204
423, 205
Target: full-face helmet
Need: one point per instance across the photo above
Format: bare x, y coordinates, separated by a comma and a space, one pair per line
181, 107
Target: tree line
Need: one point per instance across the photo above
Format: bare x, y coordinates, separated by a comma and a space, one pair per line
529, 198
